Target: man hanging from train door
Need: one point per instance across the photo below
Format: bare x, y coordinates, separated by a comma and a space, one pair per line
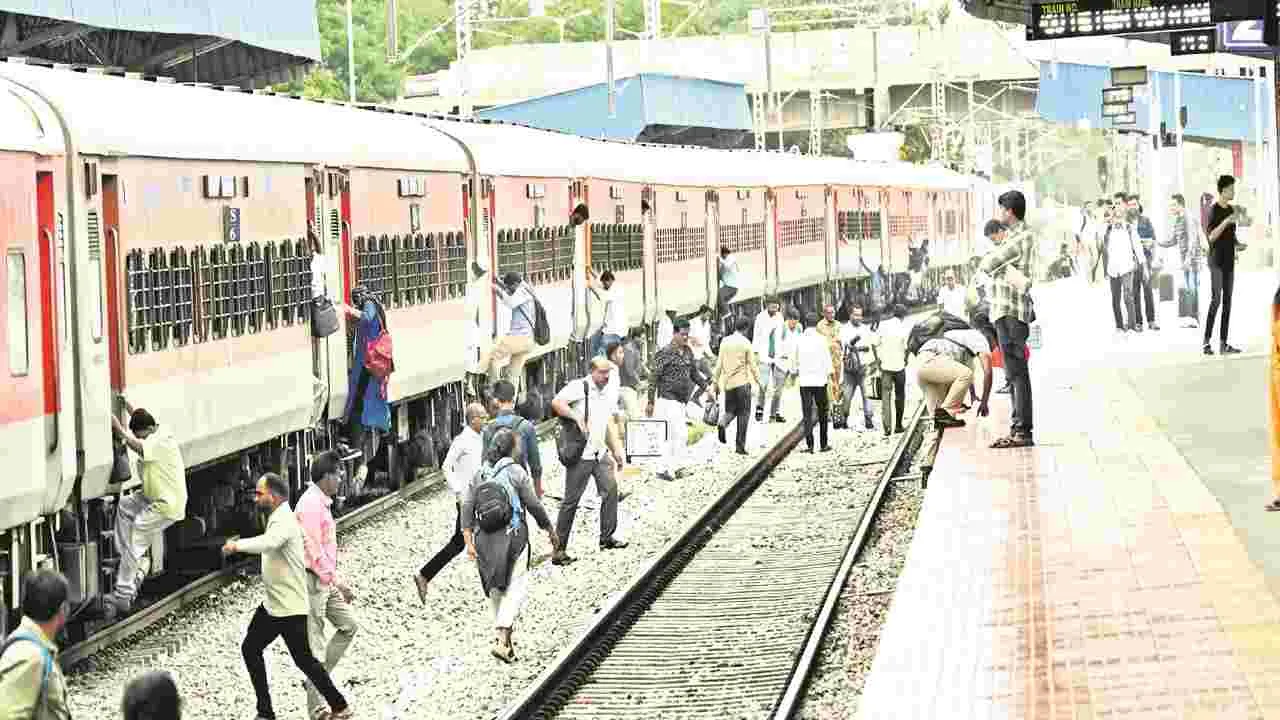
143, 516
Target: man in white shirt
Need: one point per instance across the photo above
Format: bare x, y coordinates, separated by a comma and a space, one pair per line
287, 607
951, 296
666, 328
466, 454
592, 403
854, 341
766, 340
890, 347
1119, 261
700, 337
614, 327
815, 372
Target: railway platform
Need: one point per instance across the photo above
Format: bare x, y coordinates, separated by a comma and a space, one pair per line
1124, 567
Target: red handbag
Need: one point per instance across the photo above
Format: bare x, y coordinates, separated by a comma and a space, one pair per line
379, 358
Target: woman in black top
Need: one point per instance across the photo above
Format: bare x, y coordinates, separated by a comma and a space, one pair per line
1222, 263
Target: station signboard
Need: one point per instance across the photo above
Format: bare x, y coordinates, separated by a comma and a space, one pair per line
1085, 18
1193, 42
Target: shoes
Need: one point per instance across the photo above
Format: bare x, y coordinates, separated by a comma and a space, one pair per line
869, 425
1207, 350
562, 558
421, 584
839, 426
827, 448
899, 431
809, 450
777, 419
944, 419
114, 607
612, 544
665, 476
740, 451
1228, 350
1154, 327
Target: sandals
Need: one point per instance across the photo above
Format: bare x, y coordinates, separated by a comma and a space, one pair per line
506, 654
1272, 506
1013, 441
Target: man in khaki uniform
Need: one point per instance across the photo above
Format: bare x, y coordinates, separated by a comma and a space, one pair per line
31, 683
142, 517
736, 371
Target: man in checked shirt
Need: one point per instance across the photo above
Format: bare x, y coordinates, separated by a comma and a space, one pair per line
1012, 267
675, 375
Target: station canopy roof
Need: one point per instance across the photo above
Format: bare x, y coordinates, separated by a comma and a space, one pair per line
223, 42
650, 107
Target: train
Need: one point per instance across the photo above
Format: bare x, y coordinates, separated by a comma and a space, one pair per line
156, 248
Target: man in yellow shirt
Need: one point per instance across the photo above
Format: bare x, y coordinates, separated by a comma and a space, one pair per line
31, 683
143, 516
829, 328
736, 371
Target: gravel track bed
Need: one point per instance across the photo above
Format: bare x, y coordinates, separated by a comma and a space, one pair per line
407, 660
850, 646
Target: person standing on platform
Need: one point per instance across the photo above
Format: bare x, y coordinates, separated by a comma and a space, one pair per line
889, 344
815, 374
1222, 264
461, 463
1142, 274
1119, 252
736, 371
287, 608
1012, 267
853, 341
330, 599
143, 516
592, 403
614, 327
766, 339
674, 379
32, 686
1189, 245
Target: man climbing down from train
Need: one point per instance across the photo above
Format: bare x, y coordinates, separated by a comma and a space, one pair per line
368, 413
614, 327
329, 598
143, 516
514, 346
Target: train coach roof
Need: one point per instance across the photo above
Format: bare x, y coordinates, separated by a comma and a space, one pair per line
514, 150
128, 116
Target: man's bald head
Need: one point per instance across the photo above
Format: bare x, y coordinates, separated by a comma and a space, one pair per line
476, 416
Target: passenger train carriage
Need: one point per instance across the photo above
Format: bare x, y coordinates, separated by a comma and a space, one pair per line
155, 247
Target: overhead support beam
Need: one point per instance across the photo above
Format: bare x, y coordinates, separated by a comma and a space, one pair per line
184, 54
57, 34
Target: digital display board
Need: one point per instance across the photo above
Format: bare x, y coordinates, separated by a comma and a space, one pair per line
1193, 42
1085, 18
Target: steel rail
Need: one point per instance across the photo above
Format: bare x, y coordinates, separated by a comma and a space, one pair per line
792, 696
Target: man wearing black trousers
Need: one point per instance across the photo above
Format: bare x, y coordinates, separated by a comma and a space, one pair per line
1142, 294
1222, 263
815, 372
461, 463
736, 372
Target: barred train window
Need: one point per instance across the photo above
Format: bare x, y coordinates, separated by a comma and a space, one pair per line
620, 214
16, 270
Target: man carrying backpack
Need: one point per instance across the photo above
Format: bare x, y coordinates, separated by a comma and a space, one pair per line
528, 456
590, 404
853, 339
31, 683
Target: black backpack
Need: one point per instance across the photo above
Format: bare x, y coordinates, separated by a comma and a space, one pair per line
571, 442
852, 358
920, 333
496, 502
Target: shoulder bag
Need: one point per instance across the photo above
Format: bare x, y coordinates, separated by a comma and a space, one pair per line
324, 317
571, 442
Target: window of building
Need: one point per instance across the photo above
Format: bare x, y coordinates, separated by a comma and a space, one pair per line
16, 272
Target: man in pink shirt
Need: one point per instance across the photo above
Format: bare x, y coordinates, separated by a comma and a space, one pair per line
329, 598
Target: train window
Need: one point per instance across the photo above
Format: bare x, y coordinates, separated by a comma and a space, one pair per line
183, 298
564, 237
138, 296
161, 299
95, 270
601, 239
620, 213
18, 340
413, 268
254, 289
684, 219
374, 267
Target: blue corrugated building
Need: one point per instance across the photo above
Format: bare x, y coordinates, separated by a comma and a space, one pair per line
1218, 108
225, 42
651, 107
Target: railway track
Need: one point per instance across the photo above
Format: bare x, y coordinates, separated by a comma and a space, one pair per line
149, 616
728, 620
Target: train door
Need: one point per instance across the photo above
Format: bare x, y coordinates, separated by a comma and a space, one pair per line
49, 281
111, 221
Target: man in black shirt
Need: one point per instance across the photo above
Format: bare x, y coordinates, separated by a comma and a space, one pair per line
1142, 277
1222, 263
675, 376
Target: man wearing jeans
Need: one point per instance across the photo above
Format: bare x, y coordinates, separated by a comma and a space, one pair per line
890, 347
142, 517
1222, 263
1012, 268
287, 607
591, 402
328, 597
853, 335
614, 327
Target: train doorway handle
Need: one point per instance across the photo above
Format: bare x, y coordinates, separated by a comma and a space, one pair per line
53, 361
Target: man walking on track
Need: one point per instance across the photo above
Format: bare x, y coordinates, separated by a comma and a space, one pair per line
816, 372
287, 608
1012, 268
329, 598
461, 463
